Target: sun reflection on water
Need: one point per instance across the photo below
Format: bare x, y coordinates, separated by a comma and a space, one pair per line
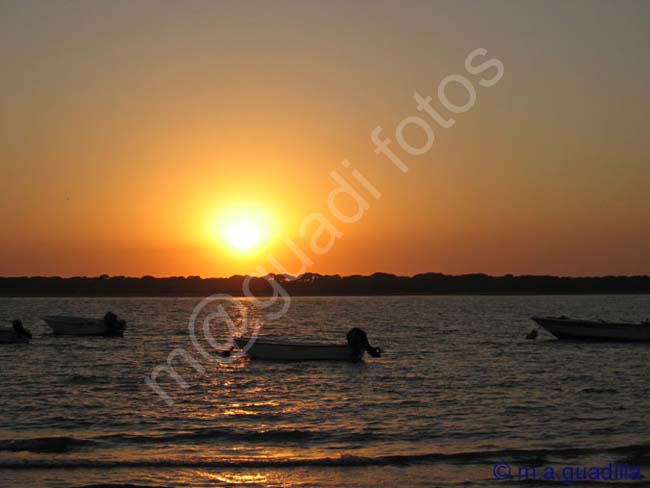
236, 478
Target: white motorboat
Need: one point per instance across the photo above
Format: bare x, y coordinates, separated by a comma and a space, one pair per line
16, 335
110, 325
586, 330
275, 350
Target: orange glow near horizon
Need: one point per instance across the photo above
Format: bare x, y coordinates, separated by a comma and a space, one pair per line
196, 141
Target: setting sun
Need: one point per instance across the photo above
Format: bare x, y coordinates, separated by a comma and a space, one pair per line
243, 230
243, 235
230, 225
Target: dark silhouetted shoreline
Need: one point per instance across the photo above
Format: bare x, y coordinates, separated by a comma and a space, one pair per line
312, 284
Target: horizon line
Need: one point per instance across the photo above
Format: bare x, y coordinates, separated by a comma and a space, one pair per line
294, 277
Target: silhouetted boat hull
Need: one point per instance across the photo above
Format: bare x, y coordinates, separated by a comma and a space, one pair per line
286, 351
584, 330
79, 326
9, 336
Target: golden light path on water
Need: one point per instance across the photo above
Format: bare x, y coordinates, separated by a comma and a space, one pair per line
443, 402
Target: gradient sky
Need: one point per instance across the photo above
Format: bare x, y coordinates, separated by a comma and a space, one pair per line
127, 129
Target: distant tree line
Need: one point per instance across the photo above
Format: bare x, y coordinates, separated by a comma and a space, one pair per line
315, 284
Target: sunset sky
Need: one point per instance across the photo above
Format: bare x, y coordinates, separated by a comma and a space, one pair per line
194, 137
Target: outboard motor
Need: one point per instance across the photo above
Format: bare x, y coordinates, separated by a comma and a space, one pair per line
112, 325
20, 330
358, 341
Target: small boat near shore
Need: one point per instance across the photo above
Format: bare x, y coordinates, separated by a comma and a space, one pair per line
274, 350
109, 326
16, 335
586, 330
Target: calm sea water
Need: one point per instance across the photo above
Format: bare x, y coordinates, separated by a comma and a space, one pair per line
458, 390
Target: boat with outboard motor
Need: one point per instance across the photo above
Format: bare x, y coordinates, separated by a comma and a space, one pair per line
16, 335
357, 345
109, 326
588, 330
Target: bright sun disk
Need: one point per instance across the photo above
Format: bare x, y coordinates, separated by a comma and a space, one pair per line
244, 229
243, 235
